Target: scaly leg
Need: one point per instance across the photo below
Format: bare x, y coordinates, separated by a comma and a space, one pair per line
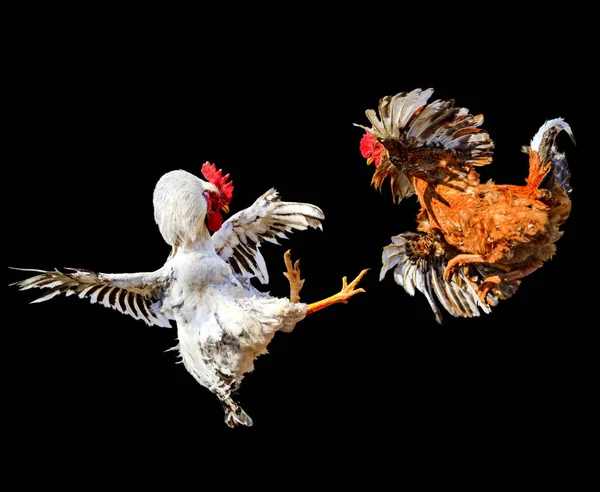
296, 283
495, 280
348, 290
293, 276
460, 261
234, 413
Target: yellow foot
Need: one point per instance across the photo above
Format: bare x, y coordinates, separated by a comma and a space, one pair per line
452, 267
485, 287
460, 261
348, 290
494, 281
293, 276
450, 271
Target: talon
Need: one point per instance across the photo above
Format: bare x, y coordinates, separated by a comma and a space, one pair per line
482, 293
348, 290
359, 277
293, 276
486, 286
462, 261
287, 259
450, 272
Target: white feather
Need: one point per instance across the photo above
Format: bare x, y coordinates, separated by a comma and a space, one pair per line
537, 138
204, 286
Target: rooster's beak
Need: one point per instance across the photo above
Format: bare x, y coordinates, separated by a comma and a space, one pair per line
225, 208
370, 160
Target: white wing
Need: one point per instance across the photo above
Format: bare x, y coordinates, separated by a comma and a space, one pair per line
136, 294
267, 219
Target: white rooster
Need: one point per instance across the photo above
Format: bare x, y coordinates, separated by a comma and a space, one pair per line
223, 321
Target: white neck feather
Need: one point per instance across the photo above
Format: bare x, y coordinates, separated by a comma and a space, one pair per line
180, 207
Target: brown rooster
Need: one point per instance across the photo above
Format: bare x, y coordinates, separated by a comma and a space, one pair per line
476, 241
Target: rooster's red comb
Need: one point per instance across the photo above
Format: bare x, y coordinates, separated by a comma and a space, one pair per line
209, 171
367, 144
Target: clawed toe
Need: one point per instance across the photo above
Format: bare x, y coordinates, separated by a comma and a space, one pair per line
449, 272
485, 288
293, 276
348, 290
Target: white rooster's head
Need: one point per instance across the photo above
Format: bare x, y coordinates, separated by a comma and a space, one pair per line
187, 207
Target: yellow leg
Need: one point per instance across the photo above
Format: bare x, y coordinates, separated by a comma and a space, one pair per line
293, 275
495, 280
459, 261
348, 290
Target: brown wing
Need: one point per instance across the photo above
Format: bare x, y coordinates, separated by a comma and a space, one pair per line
418, 261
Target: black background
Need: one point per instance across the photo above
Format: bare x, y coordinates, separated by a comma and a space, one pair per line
104, 110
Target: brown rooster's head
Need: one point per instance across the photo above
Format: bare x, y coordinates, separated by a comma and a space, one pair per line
217, 201
375, 151
371, 148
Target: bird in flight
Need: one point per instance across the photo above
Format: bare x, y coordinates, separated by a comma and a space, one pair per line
224, 322
475, 241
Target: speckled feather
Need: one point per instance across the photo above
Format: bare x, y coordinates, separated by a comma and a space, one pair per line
475, 241
223, 321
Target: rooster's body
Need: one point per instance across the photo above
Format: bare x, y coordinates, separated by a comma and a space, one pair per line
476, 241
223, 321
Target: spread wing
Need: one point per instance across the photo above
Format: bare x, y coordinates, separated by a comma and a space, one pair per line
267, 219
413, 130
418, 262
138, 295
